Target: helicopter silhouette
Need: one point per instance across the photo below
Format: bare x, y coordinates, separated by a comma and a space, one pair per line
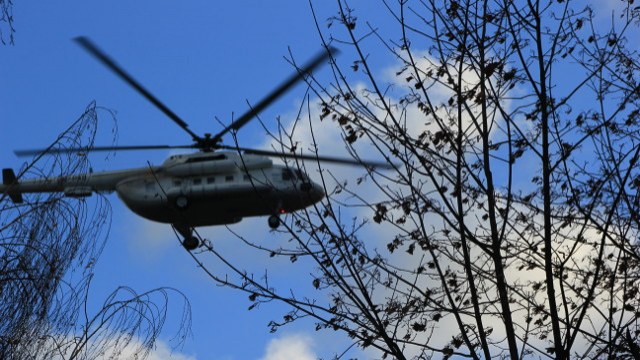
217, 185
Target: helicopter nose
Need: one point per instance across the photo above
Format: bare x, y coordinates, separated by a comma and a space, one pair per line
314, 191
317, 193
306, 186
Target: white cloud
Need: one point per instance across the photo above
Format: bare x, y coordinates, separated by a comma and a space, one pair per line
605, 8
297, 347
112, 350
150, 239
160, 352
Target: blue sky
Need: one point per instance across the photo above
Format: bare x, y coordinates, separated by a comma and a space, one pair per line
204, 59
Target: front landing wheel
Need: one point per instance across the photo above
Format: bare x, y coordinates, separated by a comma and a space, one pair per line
274, 221
191, 243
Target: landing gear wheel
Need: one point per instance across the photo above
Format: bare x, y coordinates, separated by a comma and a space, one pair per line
274, 221
191, 243
182, 202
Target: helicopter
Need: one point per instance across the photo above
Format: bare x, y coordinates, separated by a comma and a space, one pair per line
217, 185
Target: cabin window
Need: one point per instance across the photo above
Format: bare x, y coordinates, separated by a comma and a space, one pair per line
197, 181
228, 178
211, 180
246, 177
177, 182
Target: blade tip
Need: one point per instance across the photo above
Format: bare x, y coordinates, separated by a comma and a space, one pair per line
81, 39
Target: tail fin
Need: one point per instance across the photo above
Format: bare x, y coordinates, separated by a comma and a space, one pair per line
9, 179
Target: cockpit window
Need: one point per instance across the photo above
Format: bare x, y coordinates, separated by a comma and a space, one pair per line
288, 175
301, 175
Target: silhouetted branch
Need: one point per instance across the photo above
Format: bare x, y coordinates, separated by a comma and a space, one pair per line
48, 249
509, 226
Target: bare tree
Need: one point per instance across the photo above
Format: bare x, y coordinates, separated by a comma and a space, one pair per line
6, 22
48, 248
509, 226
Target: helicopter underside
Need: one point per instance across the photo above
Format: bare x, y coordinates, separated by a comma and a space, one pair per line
218, 207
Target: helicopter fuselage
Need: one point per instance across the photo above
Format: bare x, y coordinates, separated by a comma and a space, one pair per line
198, 189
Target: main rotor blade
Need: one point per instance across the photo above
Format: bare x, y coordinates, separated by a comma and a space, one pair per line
329, 159
107, 61
99, 148
277, 92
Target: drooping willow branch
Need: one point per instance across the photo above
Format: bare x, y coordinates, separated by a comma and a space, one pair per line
49, 245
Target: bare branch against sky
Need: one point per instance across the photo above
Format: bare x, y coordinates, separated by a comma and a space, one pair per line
509, 227
6, 22
505, 224
48, 251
